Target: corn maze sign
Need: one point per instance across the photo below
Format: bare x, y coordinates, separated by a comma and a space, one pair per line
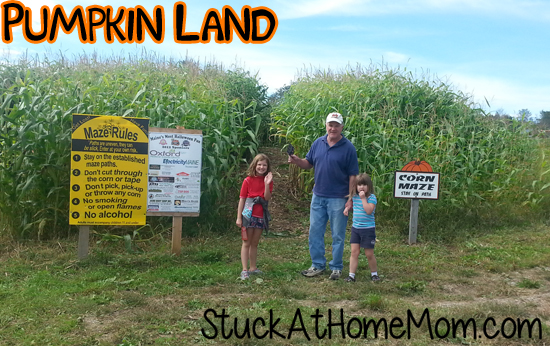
421, 185
416, 181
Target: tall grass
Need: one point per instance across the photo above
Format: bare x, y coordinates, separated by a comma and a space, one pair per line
39, 95
490, 168
393, 117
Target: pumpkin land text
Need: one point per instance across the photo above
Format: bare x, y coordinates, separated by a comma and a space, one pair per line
132, 25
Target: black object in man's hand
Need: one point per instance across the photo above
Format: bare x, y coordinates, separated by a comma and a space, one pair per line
290, 150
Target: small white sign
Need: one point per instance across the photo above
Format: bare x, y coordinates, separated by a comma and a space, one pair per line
175, 163
419, 185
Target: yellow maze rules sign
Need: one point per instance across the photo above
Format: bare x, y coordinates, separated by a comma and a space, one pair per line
109, 159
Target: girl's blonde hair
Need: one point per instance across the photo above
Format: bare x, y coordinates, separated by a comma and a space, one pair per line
252, 168
363, 179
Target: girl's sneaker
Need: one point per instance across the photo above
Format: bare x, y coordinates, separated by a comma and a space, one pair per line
349, 279
335, 275
255, 272
244, 275
375, 278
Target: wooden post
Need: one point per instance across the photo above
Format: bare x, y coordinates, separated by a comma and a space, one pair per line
413, 221
176, 235
83, 241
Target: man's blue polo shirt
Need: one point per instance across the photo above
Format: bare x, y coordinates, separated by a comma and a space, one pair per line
333, 166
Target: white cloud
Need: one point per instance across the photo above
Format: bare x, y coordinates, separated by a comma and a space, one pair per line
396, 58
503, 94
298, 9
532, 9
7, 52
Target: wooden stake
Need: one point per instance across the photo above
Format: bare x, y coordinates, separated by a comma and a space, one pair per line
413, 223
176, 235
83, 241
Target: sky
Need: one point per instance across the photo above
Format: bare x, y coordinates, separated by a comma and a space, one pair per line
497, 51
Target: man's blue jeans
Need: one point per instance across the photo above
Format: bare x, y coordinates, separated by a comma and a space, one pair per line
322, 210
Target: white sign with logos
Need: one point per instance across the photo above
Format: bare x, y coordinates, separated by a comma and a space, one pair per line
174, 180
417, 185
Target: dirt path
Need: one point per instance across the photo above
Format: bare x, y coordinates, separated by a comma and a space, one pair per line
289, 211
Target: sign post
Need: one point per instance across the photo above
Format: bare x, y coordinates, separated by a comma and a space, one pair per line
413, 221
174, 177
416, 181
83, 241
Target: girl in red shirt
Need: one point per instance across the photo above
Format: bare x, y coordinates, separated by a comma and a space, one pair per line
258, 183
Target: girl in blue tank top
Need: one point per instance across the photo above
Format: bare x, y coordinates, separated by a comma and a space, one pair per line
363, 234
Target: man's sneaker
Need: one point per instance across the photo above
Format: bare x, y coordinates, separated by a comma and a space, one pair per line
335, 275
255, 272
312, 271
349, 279
375, 278
244, 275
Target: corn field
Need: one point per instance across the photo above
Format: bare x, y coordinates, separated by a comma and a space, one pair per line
393, 117
38, 98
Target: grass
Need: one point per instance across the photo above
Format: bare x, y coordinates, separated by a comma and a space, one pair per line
526, 283
116, 298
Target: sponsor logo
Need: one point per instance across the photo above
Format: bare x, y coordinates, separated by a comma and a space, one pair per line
186, 196
188, 163
161, 195
170, 153
155, 179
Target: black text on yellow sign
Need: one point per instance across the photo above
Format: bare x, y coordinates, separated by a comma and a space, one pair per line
109, 161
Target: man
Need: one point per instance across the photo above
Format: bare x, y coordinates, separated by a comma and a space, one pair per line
335, 161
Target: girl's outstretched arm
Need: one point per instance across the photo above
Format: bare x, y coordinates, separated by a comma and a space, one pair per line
267, 182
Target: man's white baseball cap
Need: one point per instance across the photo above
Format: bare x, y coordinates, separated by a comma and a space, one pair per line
337, 117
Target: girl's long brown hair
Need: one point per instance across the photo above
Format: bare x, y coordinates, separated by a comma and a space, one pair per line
252, 168
363, 179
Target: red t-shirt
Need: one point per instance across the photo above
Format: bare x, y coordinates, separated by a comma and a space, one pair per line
254, 187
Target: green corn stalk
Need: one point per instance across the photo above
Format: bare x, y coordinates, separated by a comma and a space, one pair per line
38, 97
393, 117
